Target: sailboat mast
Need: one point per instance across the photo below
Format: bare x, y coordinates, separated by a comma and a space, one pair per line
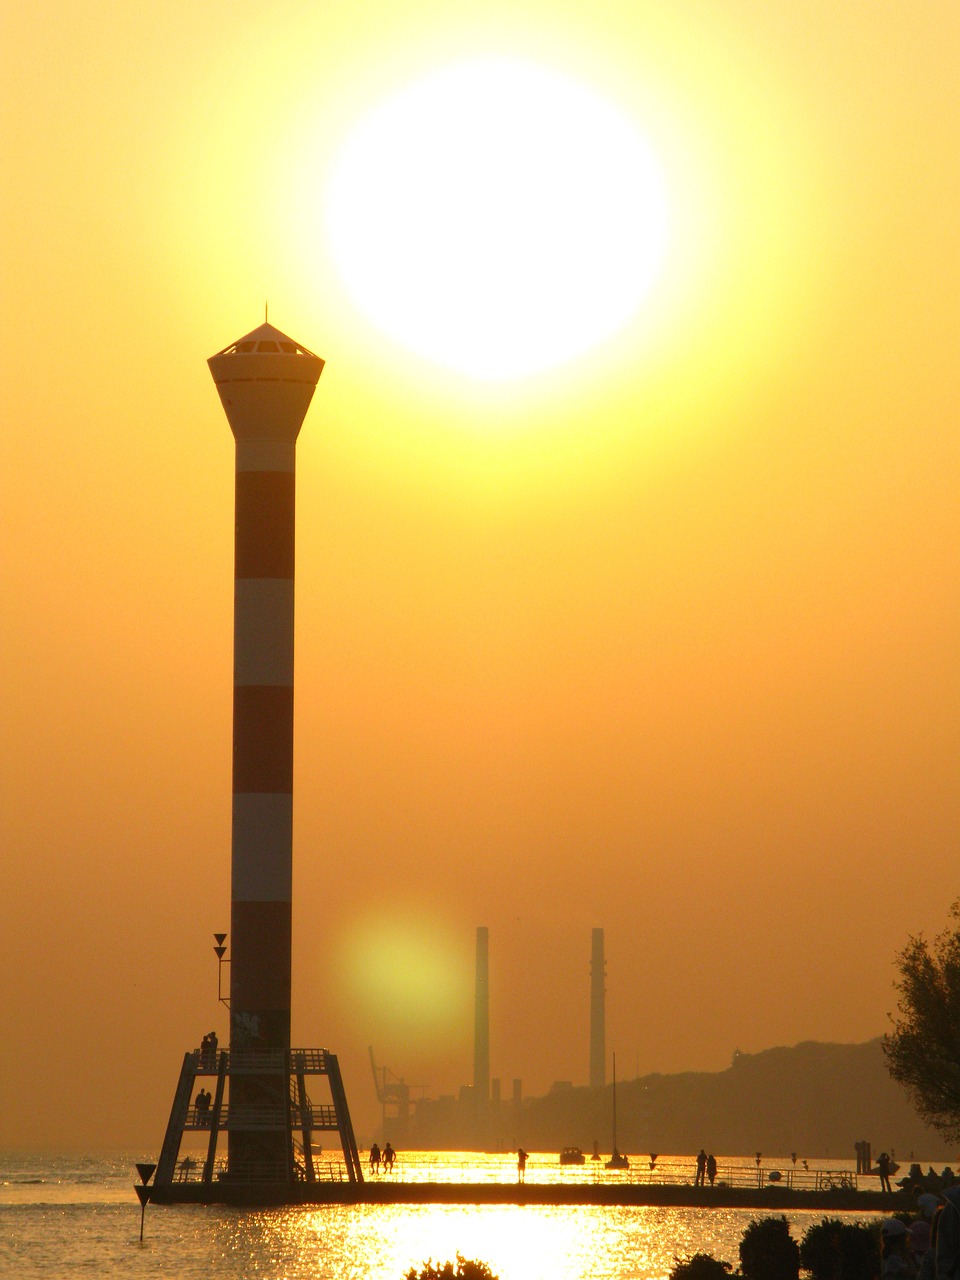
614, 1102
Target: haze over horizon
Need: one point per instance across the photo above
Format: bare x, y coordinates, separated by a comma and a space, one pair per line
663, 639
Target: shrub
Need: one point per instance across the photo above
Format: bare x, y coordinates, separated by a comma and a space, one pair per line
702, 1266
769, 1252
465, 1269
848, 1250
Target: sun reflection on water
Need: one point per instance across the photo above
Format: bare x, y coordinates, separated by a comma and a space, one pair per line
517, 1242
363, 1242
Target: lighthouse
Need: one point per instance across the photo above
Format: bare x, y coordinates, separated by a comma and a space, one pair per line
266, 382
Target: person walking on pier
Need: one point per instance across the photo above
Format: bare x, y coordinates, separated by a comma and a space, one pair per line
375, 1158
521, 1165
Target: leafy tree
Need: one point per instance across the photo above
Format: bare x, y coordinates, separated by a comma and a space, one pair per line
465, 1269
832, 1249
923, 1050
768, 1251
702, 1266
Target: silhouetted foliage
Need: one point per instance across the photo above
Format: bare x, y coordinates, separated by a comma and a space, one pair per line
702, 1266
835, 1250
769, 1252
923, 1050
464, 1269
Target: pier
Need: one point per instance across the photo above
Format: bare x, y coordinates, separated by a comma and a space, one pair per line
773, 1199
420, 1180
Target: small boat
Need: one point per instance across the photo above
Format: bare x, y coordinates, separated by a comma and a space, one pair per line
572, 1155
617, 1160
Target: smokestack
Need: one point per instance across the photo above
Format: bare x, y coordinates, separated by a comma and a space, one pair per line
265, 382
481, 1024
598, 1050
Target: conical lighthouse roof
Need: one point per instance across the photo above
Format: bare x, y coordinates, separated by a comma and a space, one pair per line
265, 340
266, 383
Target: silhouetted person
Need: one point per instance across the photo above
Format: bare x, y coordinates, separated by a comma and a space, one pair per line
389, 1155
883, 1168
928, 1263
375, 1158
712, 1168
946, 1229
895, 1261
212, 1049
701, 1168
918, 1242
521, 1165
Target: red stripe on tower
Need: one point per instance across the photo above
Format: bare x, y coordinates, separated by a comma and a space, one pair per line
266, 382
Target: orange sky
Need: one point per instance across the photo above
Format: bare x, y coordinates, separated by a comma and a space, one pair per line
665, 641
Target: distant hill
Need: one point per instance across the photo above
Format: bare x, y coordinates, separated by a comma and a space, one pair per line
815, 1099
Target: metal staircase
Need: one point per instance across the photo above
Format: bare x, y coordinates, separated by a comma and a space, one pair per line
282, 1105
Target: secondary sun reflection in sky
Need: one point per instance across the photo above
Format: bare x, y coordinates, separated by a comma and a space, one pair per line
404, 979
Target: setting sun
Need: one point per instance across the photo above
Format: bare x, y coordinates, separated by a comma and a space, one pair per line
497, 218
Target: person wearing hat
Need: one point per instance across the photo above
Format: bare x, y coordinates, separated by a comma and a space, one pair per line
918, 1238
927, 1203
895, 1261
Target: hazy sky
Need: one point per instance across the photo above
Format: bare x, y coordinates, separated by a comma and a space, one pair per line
665, 640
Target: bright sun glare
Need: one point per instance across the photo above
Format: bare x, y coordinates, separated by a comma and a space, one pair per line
497, 218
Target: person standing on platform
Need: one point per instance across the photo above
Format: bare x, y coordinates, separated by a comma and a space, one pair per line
521, 1165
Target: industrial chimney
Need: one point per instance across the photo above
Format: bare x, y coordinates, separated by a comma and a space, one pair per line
598, 1052
481, 1026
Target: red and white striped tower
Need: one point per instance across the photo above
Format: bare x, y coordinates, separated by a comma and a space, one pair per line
266, 382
